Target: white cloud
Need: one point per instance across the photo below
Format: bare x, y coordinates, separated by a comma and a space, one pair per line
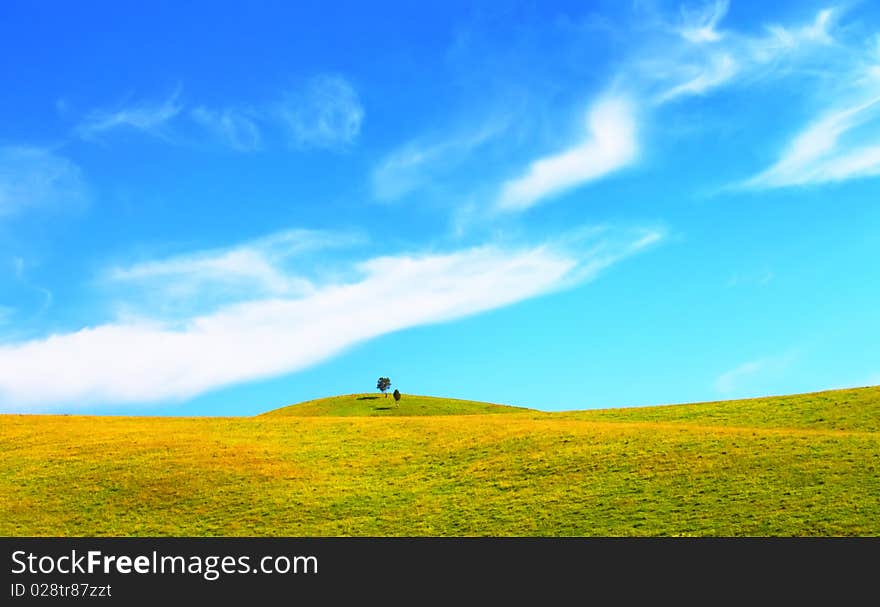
610, 145
258, 268
233, 127
32, 177
145, 360
840, 143
700, 25
417, 163
818, 32
729, 380
787, 41
817, 154
149, 117
403, 171
704, 60
755, 374
719, 70
326, 113
832, 69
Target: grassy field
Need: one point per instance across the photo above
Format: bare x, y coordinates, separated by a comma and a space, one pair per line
792, 466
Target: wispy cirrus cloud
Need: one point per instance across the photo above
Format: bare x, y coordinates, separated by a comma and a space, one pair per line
34, 177
791, 38
820, 153
258, 268
719, 68
707, 58
150, 117
416, 164
235, 128
729, 380
149, 358
835, 67
325, 113
755, 373
698, 24
838, 143
610, 145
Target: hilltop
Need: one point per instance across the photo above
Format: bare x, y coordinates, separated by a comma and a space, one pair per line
362, 405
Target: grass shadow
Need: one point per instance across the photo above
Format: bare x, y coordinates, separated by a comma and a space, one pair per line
381, 408
367, 397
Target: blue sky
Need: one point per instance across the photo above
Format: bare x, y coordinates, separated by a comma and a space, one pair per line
216, 209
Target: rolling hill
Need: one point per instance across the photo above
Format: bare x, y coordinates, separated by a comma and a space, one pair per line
800, 465
360, 405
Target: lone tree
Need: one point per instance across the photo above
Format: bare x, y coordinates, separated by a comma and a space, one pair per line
383, 384
396, 397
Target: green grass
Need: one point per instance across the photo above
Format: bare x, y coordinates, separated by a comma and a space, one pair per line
853, 409
360, 405
804, 465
